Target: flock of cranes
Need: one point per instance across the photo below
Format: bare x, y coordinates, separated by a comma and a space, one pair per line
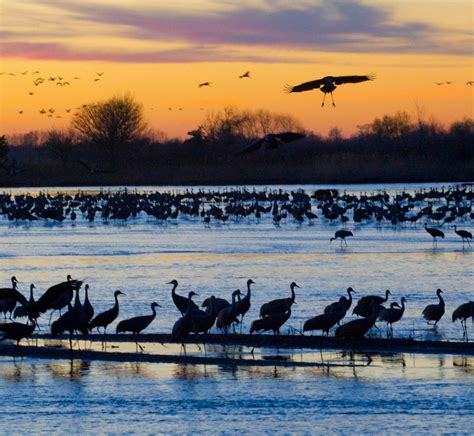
53, 80
440, 208
81, 317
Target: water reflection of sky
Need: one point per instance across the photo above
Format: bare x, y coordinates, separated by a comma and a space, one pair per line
399, 392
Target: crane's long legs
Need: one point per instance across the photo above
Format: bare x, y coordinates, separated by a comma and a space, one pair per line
324, 98
332, 98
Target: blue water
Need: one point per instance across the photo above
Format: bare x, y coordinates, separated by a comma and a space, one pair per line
141, 256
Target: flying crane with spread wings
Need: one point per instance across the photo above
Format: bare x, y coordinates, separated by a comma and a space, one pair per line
328, 84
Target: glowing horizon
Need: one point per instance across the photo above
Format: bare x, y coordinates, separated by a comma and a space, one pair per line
160, 53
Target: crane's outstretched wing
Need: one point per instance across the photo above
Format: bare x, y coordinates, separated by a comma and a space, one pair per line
339, 80
289, 136
87, 167
254, 146
307, 86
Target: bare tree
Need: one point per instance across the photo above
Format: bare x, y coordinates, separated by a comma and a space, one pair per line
60, 143
112, 124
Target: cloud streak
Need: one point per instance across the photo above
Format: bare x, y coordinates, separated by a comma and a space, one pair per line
329, 26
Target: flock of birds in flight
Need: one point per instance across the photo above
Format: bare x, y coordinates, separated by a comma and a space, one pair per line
81, 317
327, 85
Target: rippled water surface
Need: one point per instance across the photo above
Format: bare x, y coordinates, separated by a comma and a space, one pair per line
142, 255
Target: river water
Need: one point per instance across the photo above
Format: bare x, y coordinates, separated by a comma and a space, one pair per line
140, 256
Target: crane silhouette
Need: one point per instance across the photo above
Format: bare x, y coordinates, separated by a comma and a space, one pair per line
342, 235
434, 312
107, 317
137, 324
392, 315
435, 233
463, 312
246, 74
328, 84
272, 140
181, 302
464, 234
280, 305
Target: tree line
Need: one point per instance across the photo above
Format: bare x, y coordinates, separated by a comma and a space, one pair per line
108, 142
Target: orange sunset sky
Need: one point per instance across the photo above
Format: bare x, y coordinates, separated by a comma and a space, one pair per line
161, 50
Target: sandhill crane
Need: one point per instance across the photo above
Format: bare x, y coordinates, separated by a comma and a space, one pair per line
137, 324
272, 141
434, 312
16, 331
470, 83
357, 328
204, 320
463, 312
464, 234
343, 303
58, 296
271, 322
280, 305
435, 233
242, 306
363, 307
88, 309
68, 322
227, 316
342, 234
392, 315
9, 297
204, 84
184, 325
217, 304
181, 302
325, 321
30, 309
246, 74
327, 85
107, 317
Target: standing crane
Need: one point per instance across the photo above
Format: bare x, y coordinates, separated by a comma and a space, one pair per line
137, 324
463, 312
280, 305
434, 312
342, 234
464, 234
435, 233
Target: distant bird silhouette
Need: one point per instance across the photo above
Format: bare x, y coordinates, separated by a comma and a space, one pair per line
325, 321
438, 83
392, 315
181, 302
242, 306
88, 309
93, 169
463, 312
184, 325
271, 322
10, 297
464, 234
31, 93
272, 140
30, 309
364, 305
16, 331
58, 296
227, 315
435, 233
342, 304
470, 83
357, 328
246, 74
204, 84
100, 74
342, 235
327, 84
107, 317
96, 80
137, 324
434, 312
280, 305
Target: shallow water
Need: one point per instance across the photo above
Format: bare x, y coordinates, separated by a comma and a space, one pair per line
396, 393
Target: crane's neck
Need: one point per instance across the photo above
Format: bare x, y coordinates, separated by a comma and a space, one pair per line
116, 305
31, 292
173, 291
293, 295
386, 296
441, 300
350, 297
87, 293
153, 309
77, 302
403, 305
247, 297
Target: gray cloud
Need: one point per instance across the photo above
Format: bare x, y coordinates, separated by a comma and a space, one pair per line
330, 26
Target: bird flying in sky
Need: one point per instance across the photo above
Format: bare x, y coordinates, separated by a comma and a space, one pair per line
328, 84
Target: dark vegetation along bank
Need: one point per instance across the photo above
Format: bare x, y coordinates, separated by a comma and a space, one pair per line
108, 143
